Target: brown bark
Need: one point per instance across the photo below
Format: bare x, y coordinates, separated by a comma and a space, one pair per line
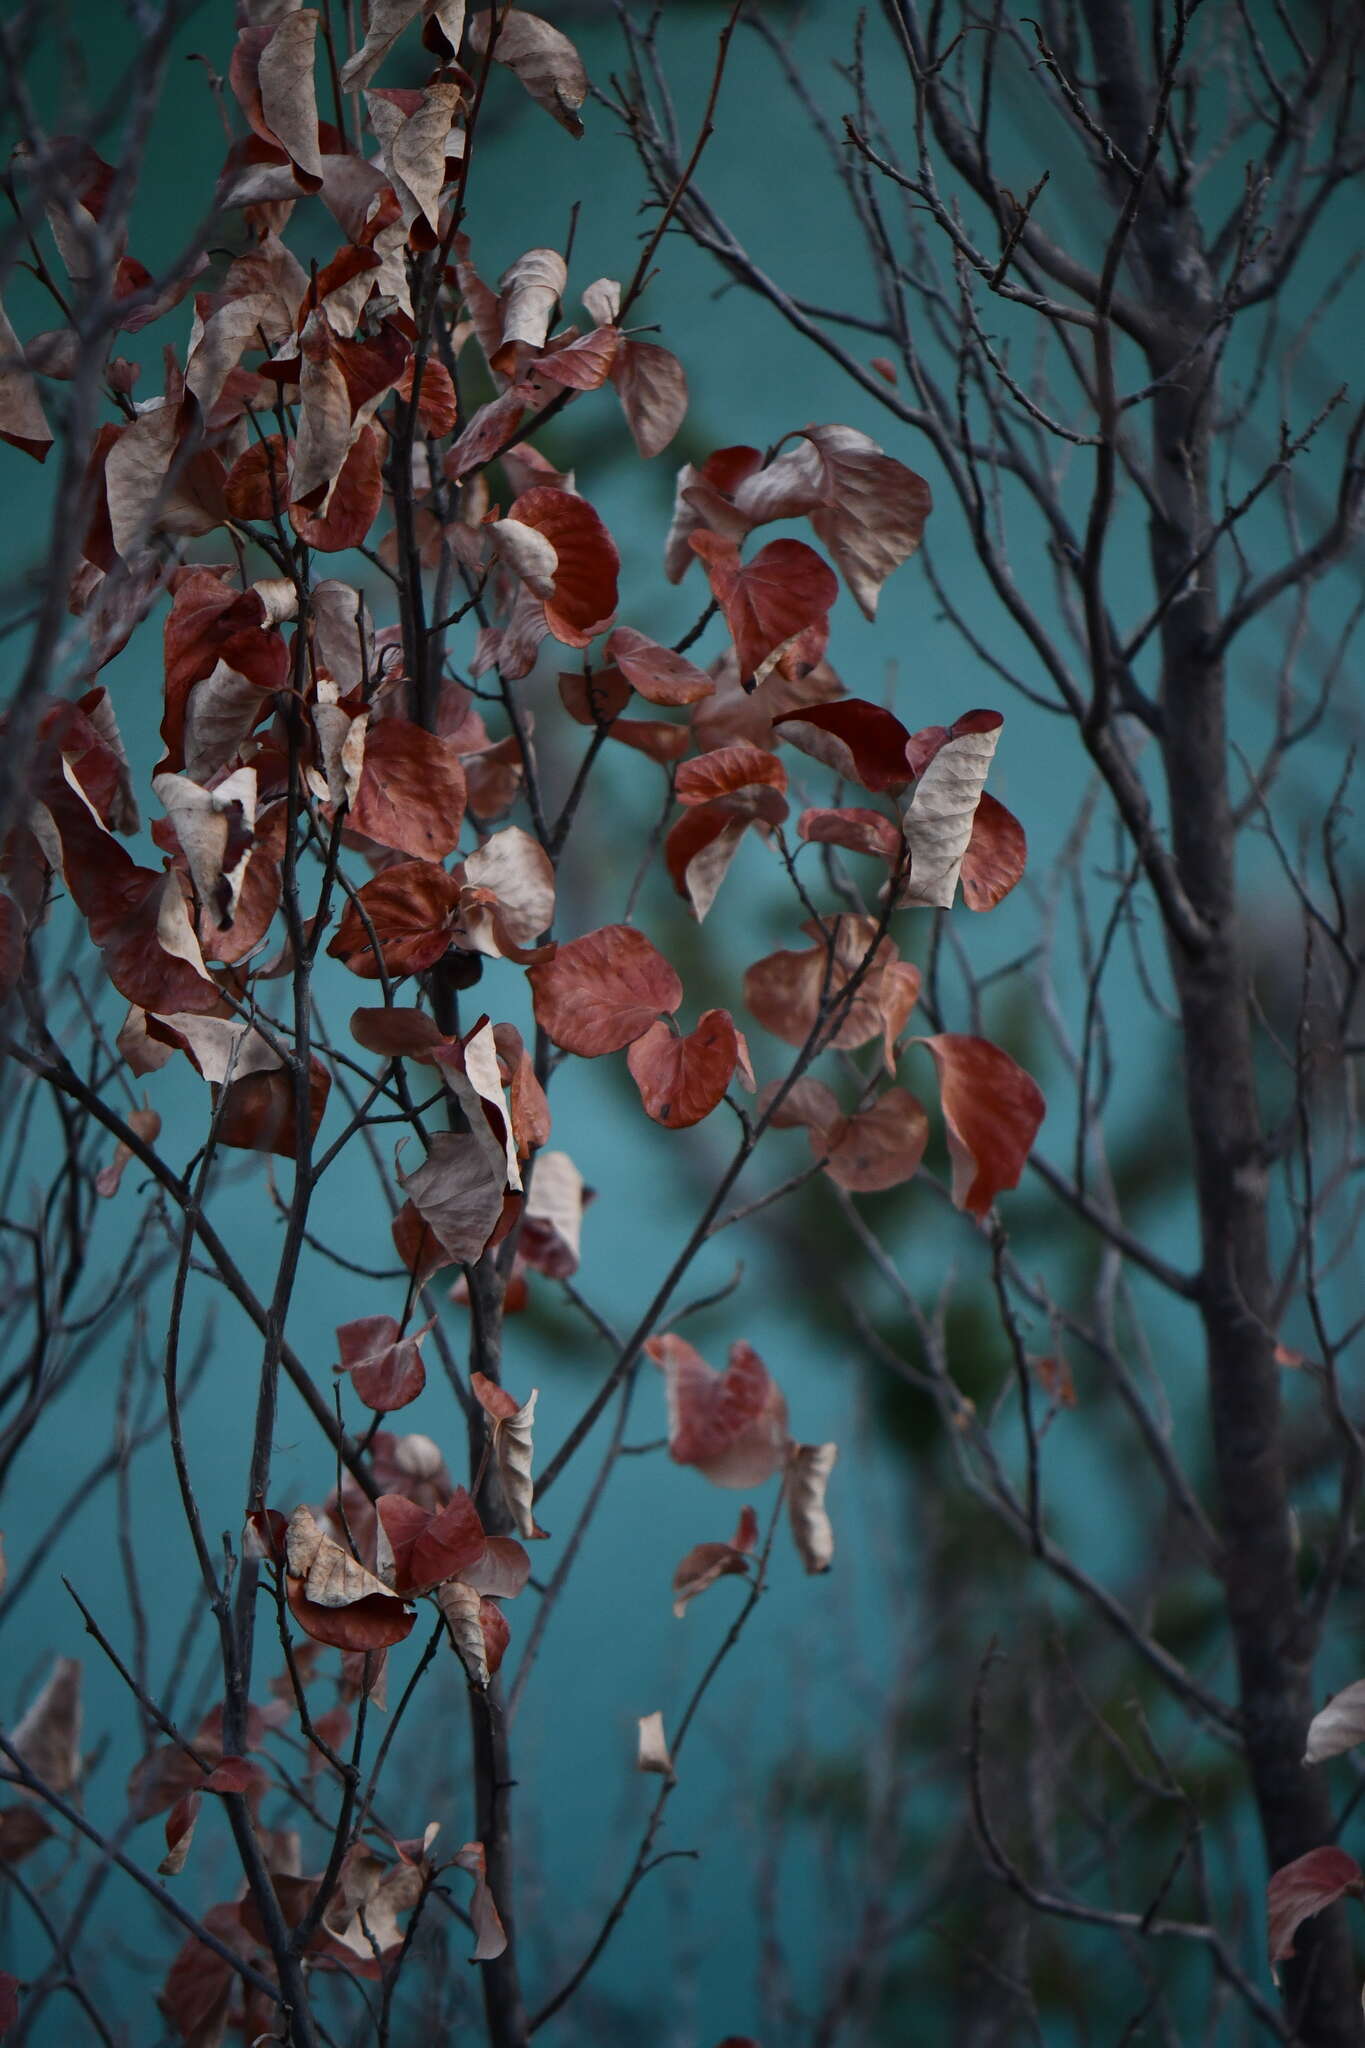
1272, 1634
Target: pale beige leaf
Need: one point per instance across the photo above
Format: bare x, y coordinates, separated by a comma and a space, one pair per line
520, 874
1339, 1726
529, 292
514, 1449
22, 421
415, 147
288, 94
458, 1190
343, 633
491, 1936
48, 1737
174, 932
219, 713
938, 820
142, 479
459, 1605
225, 1049
543, 59
386, 21
362, 1913
527, 552
331, 1576
652, 1749
553, 1217
216, 830
807, 1479
326, 429
602, 300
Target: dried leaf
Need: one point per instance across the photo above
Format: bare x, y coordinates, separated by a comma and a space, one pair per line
386, 1369
681, 1080
941, 813
460, 1608
386, 20
48, 1736
490, 1934
1304, 1887
1338, 1726
513, 1449
411, 793
529, 295
733, 1425
996, 855
552, 1221
768, 602
855, 738
586, 562
785, 990
603, 991
652, 387
544, 60
410, 909
22, 422
807, 1479
659, 674
457, 1191
652, 1749
992, 1110
707, 1562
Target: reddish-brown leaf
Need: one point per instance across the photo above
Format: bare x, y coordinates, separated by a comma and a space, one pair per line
871, 741
386, 1369
583, 363
707, 1562
257, 485
428, 1548
992, 1110
603, 991
652, 387
768, 602
733, 1425
411, 910
259, 1114
397, 1034
996, 855
681, 1080
659, 674
584, 597
411, 794
725, 771
1304, 1887
859, 831
785, 990
354, 504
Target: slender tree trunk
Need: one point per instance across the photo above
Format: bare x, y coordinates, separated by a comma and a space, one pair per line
504, 2005
1273, 1636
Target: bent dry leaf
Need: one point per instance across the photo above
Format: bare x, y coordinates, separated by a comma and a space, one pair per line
1338, 1726
705, 1563
807, 1479
681, 1080
992, 1110
651, 1750
733, 1425
513, 1449
1304, 1887
603, 991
